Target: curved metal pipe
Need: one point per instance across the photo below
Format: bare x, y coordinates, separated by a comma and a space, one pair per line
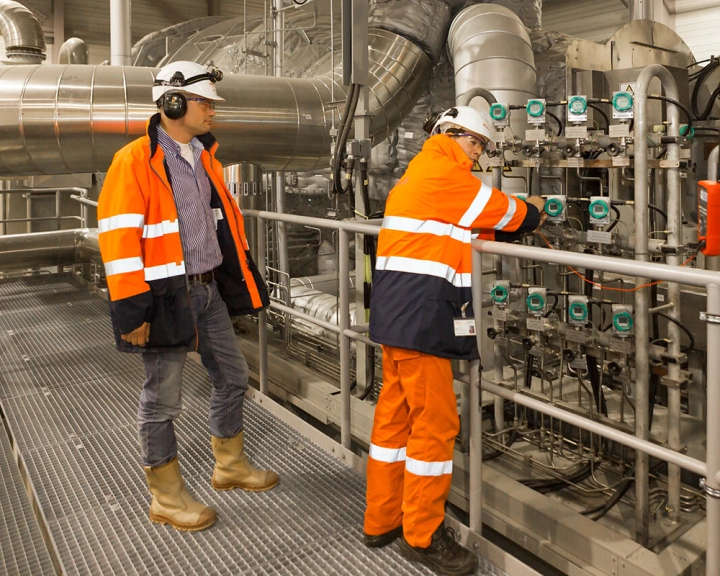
72, 119
23, 35
73, 51
642, 297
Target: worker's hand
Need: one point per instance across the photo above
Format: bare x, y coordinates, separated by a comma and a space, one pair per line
539, 203
139, 336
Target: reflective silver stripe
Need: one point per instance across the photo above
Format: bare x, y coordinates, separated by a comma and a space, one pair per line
388, 455
420, 468
164, 271
121, 221
123, 265
415, 266
164, 227
512, 206
476, 208
403, 224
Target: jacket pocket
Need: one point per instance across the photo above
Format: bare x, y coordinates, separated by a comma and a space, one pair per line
439, 330
172, 324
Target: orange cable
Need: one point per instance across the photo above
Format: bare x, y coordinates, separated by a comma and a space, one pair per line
582, 276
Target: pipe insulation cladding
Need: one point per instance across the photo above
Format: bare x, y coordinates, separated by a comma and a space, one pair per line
72, 119
22, 32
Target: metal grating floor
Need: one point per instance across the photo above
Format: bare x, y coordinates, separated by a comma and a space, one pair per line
70, 401
22, 549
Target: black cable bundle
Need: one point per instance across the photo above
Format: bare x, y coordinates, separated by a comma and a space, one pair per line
701, 77
346, 120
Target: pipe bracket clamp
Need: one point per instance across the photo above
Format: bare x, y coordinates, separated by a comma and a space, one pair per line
712, 492
712, 318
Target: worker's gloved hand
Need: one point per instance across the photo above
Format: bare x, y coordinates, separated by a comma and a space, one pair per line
139, 336
539, 203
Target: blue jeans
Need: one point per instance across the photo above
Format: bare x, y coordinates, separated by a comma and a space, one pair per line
161, 397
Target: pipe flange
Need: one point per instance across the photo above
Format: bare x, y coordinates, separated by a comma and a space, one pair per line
712, 492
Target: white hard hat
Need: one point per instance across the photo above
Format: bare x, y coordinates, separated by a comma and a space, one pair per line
183, 76
468, 118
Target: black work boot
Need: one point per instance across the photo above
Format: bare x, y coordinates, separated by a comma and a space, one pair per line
444, 555
380, 540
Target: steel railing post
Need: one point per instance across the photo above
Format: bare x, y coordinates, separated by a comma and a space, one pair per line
475, 493
262, 316
712, 485
344, 323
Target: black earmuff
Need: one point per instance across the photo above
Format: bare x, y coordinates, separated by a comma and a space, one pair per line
174, 105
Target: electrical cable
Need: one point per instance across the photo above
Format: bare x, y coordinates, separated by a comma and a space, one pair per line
680, 106
617, 219
659, 211
561, 127
602, 113
684, 328
343, 132
700, 78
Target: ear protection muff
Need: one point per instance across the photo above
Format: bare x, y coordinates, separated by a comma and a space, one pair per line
174, 105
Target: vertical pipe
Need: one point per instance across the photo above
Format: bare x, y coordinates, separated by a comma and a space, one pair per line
262, 316
498, 363
712, 550
28, 212
641, 10
58, 28
475, 466
674, 239
642, 298
344, 324
120, 37
58, 213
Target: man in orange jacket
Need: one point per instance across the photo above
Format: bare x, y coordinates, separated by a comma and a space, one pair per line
177, 265
420, 290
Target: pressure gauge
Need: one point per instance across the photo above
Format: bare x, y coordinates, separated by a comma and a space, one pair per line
555, 208
536, 111
622, 320
578, 309
622, 103
536, 301
500, 293
499, 113
577, 109
599, 210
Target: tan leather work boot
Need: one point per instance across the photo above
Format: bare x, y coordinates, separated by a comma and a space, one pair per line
171, 503
233, 469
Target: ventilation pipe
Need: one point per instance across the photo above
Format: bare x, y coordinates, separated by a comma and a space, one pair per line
641, 10
23, 35
72, 119
491, 51
73, 51
120, 40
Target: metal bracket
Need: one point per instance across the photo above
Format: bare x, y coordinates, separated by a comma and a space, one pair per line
712, 492
712, 318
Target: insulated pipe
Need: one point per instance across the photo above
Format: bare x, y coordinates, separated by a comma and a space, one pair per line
72, 119
23, 35
120, 36
73, 51
642, 297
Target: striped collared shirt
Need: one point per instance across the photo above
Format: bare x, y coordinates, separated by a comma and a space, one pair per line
192, 192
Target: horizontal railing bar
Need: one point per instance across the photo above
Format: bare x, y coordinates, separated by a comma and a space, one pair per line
629, 440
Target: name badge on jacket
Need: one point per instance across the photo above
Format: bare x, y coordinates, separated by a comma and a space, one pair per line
464, 326
217, 216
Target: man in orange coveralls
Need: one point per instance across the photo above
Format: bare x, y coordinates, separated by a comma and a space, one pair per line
421, 287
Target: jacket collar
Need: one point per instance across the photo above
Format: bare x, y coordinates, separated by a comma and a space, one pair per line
446, 146
208, 141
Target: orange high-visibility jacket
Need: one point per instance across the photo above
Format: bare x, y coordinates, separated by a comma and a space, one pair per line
424, 258
142, 251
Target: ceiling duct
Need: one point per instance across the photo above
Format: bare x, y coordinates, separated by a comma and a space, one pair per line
640, 10
23, 35
72, 119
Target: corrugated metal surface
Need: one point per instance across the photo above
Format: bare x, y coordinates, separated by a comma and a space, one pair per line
594, 20
698, 23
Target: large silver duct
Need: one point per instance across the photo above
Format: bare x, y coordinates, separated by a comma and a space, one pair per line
72, 119
490, 48
73, 51
23, 35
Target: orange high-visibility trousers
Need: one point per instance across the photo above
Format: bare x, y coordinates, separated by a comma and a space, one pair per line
409, 468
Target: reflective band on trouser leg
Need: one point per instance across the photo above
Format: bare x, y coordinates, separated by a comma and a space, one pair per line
434, 423
386, 464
